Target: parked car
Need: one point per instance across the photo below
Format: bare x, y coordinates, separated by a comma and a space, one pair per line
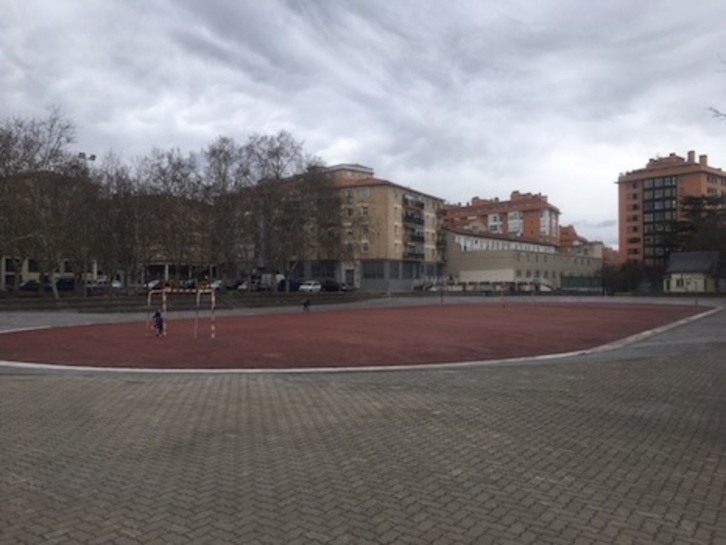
329, 285
65, 284
216, 285
253, 286
294, 285
153, 284
232, 284
310, 286
30, 285
99, 286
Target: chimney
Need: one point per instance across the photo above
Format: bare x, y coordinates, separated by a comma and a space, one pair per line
703, 160
691, 156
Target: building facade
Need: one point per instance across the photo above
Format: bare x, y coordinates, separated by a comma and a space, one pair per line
525, 215
649, 204
392, 232
490, 262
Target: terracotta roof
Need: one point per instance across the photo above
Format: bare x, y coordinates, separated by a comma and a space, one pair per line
344, 183
490, 207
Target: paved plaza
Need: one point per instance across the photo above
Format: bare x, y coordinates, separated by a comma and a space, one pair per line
615, 447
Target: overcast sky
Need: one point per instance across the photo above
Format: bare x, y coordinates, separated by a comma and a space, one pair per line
456, 98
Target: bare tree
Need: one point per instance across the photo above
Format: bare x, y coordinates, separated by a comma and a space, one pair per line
297, 207
282, 208
125, 239
177, 209
229, 229
35, 144
33, 160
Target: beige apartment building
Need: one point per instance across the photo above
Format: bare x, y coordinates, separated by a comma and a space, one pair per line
392, 231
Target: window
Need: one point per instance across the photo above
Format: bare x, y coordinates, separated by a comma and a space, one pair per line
373, 270
494, 223
365, 192
515, 224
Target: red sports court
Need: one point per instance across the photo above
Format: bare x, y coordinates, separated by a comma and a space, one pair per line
346, 337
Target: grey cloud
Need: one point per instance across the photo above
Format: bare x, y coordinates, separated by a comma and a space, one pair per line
458, 98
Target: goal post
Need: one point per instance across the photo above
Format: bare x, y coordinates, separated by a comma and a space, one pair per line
164, 295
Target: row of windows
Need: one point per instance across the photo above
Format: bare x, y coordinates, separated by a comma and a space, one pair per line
660, 193
537, 274
654, 250
717, 180
365, 193
658, 228
376, 270
669, 215
648, 240
664, 181
652, 228
668, 204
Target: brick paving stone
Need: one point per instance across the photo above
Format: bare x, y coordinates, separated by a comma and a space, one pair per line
627, 446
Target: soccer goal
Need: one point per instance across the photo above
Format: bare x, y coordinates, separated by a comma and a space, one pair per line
167, 293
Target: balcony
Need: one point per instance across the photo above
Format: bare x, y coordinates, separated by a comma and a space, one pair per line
414, 255
412, 201
413, 219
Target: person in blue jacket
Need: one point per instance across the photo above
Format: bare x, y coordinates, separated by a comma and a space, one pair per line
159, 324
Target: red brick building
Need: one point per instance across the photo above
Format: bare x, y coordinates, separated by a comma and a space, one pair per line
649, 204
524, 215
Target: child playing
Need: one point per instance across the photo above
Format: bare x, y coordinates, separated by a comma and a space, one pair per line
159, 324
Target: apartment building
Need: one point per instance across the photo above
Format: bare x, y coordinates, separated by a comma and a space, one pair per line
392, 231
526, 215
649, 204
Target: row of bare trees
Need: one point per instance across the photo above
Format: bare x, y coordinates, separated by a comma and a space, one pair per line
233, 206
